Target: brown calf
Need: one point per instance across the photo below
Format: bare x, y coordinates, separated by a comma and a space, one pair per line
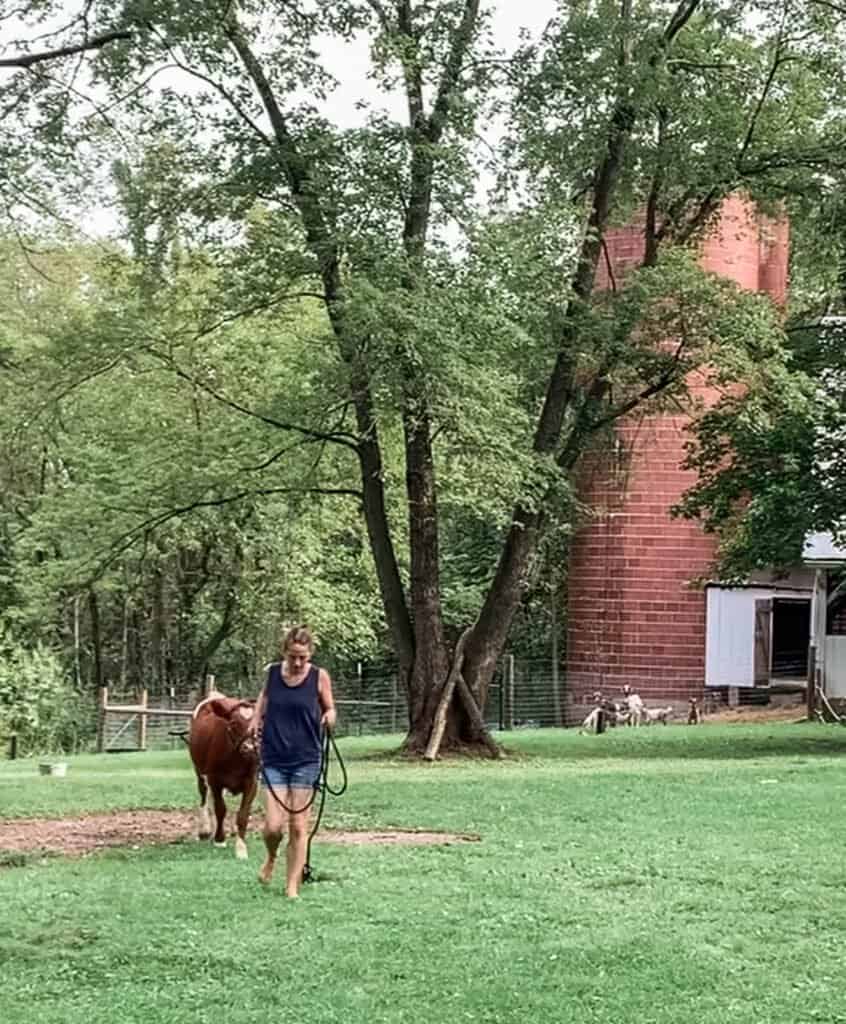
225, 757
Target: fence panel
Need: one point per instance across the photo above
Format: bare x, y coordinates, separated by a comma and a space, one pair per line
523, 694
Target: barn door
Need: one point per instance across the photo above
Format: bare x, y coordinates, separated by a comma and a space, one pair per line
763, 632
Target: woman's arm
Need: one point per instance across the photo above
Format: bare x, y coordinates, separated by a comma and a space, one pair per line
258, 715
257, 721
327, 701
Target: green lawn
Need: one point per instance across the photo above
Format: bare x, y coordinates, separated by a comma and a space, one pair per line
662, 875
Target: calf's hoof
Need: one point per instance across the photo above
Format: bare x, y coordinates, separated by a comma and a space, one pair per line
240, 849
220, 843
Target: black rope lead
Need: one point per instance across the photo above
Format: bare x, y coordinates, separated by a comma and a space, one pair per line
322, 787
329, 744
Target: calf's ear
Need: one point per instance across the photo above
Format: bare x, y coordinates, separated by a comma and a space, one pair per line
219, 708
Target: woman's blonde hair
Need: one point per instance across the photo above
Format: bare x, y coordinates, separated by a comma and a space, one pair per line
297, 635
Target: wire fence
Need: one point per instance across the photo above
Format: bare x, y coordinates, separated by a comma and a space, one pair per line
522, 695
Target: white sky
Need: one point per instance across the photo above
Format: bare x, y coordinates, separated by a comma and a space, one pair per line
349, 62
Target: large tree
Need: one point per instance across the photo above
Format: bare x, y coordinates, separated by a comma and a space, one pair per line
664, 108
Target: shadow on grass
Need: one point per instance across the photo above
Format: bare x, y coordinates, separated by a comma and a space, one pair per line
731, 742
716, 742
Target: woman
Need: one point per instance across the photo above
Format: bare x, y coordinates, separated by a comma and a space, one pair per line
294, 706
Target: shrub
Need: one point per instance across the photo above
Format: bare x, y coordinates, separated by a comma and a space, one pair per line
38, 700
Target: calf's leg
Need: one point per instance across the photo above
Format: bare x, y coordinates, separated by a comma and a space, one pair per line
203, 821
243, 819
219, 814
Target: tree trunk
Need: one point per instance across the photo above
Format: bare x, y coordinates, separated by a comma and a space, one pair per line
562, 393
77, 650
124, 644
381, 544
503, 599
96, 639
137, 671
224, 629
431, 662
159, 631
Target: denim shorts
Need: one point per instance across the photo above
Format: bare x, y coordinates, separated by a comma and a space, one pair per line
298, 776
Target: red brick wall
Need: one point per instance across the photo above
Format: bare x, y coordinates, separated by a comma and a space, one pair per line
633, 616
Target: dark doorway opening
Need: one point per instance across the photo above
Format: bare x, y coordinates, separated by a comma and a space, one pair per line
791, 634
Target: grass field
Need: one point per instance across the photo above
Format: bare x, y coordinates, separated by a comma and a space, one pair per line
661, 875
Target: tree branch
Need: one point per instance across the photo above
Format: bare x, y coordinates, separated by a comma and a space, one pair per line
709, 204
143, 529
830, 5
411, 68
681, 16
27, 60
297, 170
584, 425
503, 595
347, 440
778, 60
381, 14
256, 307
221, 90
652, 236
452, 70
427, 132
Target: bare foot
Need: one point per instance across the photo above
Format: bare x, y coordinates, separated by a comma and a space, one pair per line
266, 873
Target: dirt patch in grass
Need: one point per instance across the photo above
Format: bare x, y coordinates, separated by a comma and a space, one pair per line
80, 836
763, 716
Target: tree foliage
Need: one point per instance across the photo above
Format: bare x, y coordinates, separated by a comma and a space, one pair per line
458, 360
770, 459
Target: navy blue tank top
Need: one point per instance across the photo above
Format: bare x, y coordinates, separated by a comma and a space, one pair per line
291, 727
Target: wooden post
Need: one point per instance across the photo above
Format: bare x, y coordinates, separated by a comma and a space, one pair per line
501, 701
101, 719
13, 746
124, 645
816, 645
811, 684
474, 713
394, 689
209, 685
439, 723
509, 703
142, 721
556, 684
359, 690
77, 660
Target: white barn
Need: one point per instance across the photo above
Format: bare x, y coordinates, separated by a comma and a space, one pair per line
760, 633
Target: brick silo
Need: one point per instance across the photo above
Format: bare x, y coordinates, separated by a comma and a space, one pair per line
633, 616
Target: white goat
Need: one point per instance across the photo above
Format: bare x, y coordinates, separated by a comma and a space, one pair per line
662, 715
637, 710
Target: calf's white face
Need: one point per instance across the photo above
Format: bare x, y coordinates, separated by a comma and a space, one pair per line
239, 722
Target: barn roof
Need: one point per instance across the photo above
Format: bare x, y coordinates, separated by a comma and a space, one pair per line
821, 549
